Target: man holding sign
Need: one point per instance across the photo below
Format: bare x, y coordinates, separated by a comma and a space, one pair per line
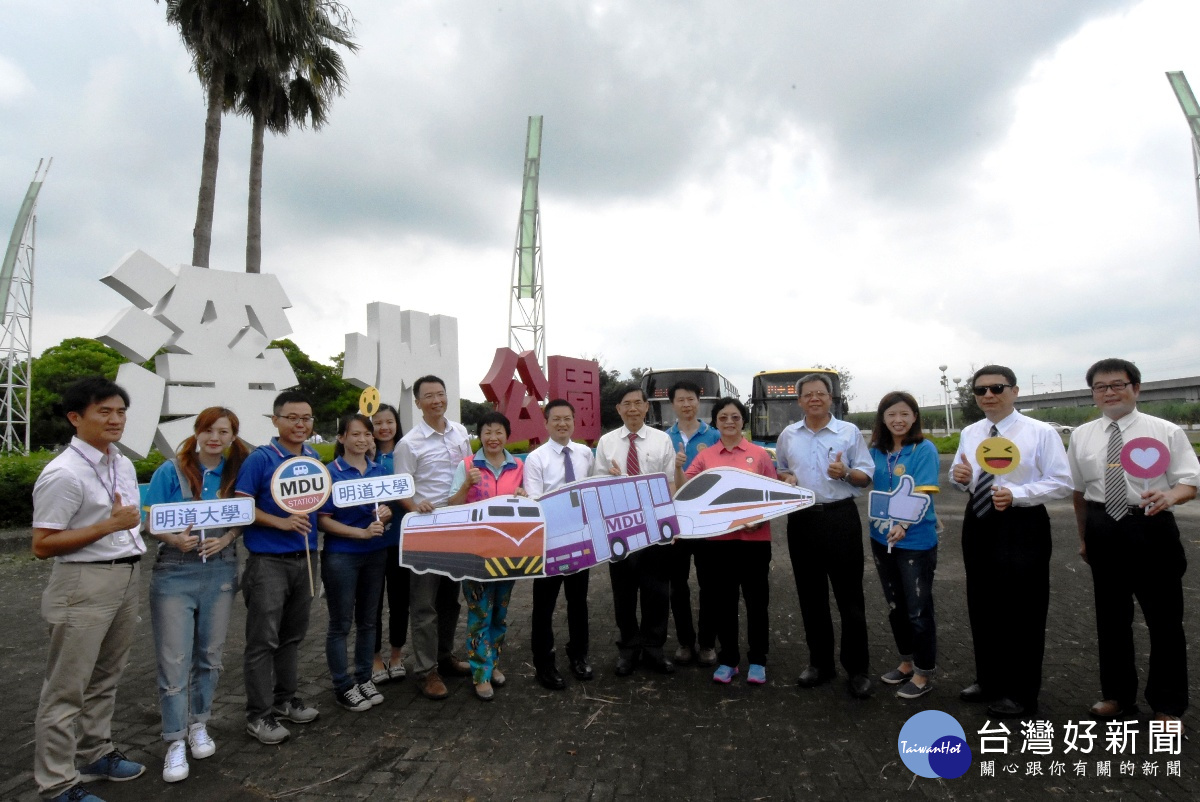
1129, 469
1011, 465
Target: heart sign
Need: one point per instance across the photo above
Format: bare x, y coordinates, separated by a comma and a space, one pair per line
998, 456
1145, 457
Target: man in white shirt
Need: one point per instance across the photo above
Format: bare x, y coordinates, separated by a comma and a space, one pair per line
548, 468
1128, 536
429, 452
631, 450
1006, 545
825, 542
86, 514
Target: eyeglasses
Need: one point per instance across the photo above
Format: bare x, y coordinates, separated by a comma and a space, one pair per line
294, 419
982, 389
1101, 389
631, 404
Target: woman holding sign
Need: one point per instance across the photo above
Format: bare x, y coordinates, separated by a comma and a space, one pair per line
490, 472
352, 567
906, 553
192, 588
395, 576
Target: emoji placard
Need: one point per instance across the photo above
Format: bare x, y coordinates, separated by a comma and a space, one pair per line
998, 456
1145, 457
368, 401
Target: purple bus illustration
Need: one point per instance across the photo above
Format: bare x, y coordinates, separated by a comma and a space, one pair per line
606, 518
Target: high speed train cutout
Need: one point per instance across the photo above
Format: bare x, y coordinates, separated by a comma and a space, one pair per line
585, 523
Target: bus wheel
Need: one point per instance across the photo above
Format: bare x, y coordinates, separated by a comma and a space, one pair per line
619, 550
667, 532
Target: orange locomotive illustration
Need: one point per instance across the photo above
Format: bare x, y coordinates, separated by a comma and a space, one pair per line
497, 538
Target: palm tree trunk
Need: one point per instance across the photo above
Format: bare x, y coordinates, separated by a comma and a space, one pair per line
202, 232
254, 215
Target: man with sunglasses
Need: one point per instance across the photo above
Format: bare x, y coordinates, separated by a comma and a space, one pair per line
1006, 545
1128, 536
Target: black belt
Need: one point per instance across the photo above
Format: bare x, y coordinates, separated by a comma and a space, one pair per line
1133, 509
122, 561
829, 505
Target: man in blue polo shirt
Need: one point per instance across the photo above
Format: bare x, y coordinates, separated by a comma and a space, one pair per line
275, 584
690, 435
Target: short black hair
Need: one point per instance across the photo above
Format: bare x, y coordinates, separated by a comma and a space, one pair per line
431, 379
89, 390
685, 385
729, 400
995, 370
493, 417
289, 397
1115, 365
627, 388
344, 424
558, 402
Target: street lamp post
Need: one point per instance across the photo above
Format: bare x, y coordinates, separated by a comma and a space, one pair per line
946, 397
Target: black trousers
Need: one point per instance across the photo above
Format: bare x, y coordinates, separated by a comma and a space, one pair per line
743, 569
1139, 557
825, 545
1007, 560
645, 573
682, 553
396, 580
545, 596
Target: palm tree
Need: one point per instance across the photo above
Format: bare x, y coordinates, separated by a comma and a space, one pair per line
295, 77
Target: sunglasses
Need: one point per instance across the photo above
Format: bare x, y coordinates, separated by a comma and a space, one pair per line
996, 389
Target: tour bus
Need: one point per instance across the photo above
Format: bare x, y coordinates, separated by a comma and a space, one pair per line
497, 538
722, 499
657, 384
774, 403
606, 518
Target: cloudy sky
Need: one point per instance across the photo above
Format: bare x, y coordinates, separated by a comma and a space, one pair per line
760, 185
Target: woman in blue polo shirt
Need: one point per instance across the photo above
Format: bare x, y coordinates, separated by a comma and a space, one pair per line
352, 567
396, 578
906, 554
192, 587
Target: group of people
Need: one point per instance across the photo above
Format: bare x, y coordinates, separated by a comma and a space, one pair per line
84, 519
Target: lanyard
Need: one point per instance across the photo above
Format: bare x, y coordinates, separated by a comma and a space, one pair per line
112, 469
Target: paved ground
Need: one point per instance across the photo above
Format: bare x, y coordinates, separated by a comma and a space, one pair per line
642, 737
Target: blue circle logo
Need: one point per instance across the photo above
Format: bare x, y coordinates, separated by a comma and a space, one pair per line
933, 744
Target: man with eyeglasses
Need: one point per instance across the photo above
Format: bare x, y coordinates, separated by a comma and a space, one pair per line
825, 542
1006, 546
1128, 536
429, 452
275, 582
636, 449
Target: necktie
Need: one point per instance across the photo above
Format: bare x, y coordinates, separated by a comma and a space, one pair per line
632, 468
1114, 476
568, 468
981, 499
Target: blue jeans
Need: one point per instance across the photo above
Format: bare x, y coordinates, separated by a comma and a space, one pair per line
907, 579
353, 583
190, 603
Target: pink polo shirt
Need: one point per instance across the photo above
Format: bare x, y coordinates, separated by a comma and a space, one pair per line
748, 457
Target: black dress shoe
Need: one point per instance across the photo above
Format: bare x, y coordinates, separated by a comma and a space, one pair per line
812, 676
975, 693
662, 665
550, 678
1007, 708
582, 669
625, 665
860, 686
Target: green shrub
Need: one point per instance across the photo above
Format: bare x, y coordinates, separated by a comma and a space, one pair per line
946, 445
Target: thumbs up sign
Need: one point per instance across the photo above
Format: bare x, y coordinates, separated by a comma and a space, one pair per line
961, 472
124, 517
838, 469
680, 457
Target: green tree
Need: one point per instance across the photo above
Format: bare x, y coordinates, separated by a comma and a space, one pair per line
331, 395
52, 372
470, 412
968, 408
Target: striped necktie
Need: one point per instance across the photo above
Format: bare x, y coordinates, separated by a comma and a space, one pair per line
981, 499
1115, 503
632, 467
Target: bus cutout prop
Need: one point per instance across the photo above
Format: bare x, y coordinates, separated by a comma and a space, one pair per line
301, 485
585, 523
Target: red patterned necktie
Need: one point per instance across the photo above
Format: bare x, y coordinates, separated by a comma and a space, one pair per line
632, 467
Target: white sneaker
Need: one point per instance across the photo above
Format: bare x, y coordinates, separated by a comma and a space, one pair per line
200, 742
370, 692
175, 766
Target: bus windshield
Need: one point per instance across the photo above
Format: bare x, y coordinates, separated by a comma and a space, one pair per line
774, 403
657, 386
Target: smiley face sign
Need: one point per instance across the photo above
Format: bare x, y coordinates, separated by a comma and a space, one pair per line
998, 456
1145, 458
368, 401
301, 485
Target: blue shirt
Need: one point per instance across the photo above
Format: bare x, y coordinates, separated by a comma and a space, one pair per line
920, 461
808, 455
254, 480
388, 463
704, 437
359, 516
165, 489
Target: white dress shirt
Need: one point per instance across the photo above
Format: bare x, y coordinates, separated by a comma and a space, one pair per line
430, 457
1043, 475
655, 452
77, 489
545, 469
1088, 456
808, 455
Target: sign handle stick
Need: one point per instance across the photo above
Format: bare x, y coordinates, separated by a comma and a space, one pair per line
312, 589
887, 535
203, 557
376, 510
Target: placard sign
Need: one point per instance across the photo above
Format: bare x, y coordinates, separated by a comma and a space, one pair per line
377, 489
301, 485
1145, 458
216, 513
998, 456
